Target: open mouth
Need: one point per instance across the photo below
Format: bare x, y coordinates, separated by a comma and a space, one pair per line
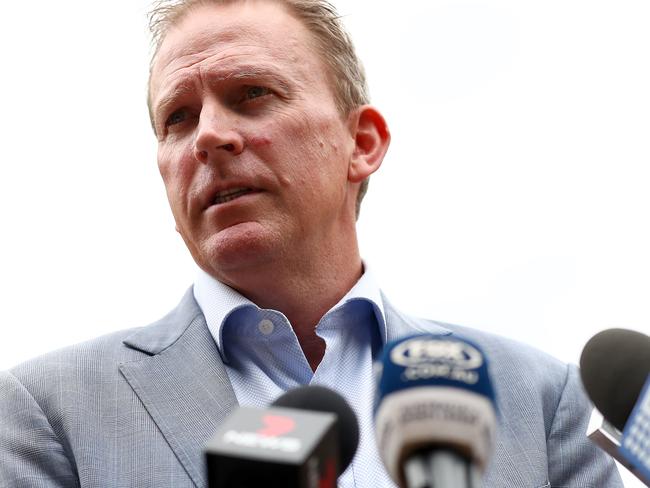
230, 194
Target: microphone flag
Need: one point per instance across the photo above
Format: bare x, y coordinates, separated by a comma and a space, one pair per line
635, 445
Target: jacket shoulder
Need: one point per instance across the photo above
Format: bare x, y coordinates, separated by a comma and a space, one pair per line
77, 365
525, 379
91, 360
543, 416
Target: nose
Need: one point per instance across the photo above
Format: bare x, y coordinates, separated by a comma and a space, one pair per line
216, 136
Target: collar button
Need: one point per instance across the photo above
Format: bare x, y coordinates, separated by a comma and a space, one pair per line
266, 327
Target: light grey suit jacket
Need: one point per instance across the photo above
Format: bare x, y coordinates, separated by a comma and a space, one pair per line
134, 408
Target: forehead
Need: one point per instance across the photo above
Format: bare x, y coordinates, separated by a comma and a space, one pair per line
246, 31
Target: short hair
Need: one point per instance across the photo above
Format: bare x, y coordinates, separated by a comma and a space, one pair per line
333, 43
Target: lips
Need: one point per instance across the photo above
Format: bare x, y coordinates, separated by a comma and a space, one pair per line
230, 194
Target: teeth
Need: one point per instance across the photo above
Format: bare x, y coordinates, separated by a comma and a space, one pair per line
227, 195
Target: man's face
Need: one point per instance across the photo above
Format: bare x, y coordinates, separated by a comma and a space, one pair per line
252, 150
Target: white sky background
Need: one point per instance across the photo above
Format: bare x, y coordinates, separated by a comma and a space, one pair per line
514, 198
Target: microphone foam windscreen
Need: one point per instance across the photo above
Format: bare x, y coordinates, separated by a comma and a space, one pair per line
321, 399
614, 366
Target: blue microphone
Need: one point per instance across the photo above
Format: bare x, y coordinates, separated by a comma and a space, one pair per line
435, 412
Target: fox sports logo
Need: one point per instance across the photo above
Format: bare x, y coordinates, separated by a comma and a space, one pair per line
423, 350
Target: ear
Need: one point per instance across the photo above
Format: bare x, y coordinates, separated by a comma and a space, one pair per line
372, 138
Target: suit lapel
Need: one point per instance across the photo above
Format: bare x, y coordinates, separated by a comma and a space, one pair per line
182, 382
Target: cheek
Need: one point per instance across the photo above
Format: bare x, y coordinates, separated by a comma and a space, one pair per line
305, 152
176, 165
321, 144
306, 140
309, 155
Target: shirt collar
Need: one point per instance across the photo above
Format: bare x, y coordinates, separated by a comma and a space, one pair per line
218, 301
367, 289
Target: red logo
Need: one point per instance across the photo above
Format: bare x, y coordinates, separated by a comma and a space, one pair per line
276, 425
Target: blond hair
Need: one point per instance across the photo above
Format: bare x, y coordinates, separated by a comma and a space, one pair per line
320, 18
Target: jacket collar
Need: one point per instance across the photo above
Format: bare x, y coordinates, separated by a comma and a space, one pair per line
400, 325
163, 333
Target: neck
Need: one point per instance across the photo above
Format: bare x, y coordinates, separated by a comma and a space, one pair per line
311, 299
303, 290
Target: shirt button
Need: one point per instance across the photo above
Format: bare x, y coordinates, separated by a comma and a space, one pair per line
266, 326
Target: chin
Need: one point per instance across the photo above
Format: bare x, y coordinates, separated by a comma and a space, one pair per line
239, 248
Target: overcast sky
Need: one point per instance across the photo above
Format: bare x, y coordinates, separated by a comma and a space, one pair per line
514, 198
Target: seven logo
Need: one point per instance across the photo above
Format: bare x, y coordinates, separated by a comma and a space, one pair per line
276, 425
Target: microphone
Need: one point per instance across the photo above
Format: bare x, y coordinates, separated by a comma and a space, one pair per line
615, 365
435, 413
320, 399
305, 439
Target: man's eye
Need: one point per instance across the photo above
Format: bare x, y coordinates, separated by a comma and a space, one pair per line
252, 92
176, 118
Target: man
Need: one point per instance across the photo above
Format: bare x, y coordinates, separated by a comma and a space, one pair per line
265, 145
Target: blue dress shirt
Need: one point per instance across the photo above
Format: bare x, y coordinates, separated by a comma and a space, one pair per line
264, 359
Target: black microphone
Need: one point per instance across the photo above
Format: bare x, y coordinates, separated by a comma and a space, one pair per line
320, 399
615, 365
435, 413
306, 439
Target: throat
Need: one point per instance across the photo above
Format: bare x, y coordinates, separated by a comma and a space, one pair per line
314, 350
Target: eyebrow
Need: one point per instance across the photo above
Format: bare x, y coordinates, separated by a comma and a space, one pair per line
250, 72
188, 85
179, 90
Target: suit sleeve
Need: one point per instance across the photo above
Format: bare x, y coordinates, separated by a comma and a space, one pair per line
574, 461
31, 454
